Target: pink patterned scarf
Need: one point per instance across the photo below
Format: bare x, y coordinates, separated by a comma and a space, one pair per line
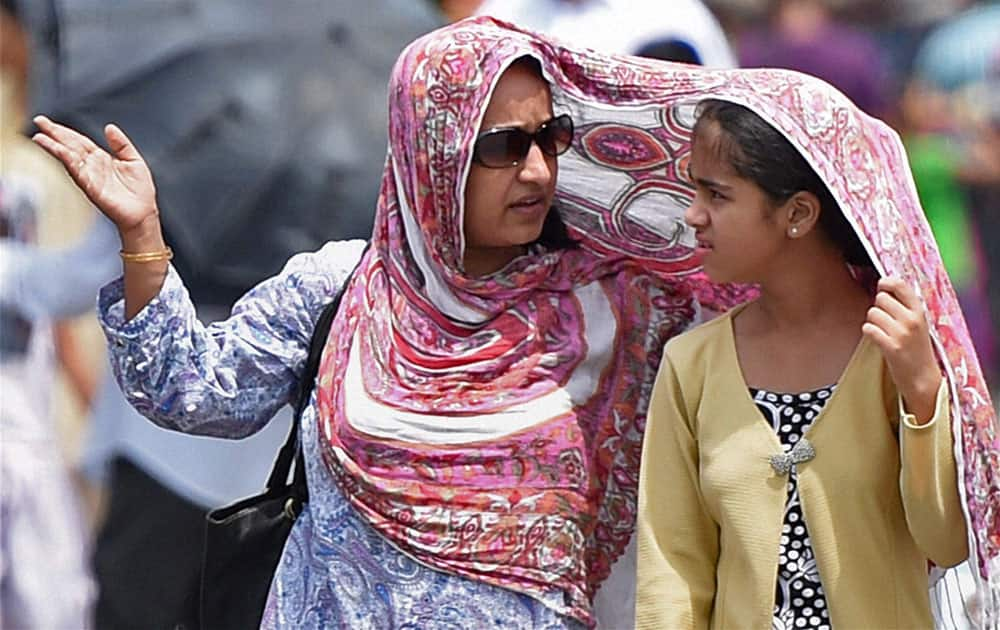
491, 427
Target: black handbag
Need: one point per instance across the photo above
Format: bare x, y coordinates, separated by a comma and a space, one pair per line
244, 541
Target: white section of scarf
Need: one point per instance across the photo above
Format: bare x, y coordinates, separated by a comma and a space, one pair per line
437, 289
372, 417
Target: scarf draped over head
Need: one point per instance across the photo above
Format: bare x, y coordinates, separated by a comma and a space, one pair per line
491, 427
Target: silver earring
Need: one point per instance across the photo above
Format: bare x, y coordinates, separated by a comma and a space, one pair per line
795, 231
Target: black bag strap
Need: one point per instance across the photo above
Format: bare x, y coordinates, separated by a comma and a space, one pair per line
292, 448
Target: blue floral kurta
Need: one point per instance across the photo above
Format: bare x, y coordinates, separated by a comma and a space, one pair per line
227, 380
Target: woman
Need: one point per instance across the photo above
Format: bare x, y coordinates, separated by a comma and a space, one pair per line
472, 450
798, 460
473, 443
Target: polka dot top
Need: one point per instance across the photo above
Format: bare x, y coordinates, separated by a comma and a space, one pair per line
799, 599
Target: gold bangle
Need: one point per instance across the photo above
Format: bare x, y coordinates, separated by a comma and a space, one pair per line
144, 257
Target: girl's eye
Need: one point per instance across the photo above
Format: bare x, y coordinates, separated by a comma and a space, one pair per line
716, 194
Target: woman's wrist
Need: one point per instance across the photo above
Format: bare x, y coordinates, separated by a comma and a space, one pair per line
144, 237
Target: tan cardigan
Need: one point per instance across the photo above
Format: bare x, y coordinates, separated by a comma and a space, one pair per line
711, 506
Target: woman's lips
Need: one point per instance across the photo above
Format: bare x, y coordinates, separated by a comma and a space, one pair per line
530, 206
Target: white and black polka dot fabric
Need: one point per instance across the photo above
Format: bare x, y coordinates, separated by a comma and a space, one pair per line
799, 599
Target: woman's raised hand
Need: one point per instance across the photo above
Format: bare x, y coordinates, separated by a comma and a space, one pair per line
118, 183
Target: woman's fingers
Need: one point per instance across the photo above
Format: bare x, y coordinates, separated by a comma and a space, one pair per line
117, 182
71, 148
56, 149
71, 139
120, 144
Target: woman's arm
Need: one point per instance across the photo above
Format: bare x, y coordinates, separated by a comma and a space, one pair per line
227, 379
678, 541
120, 185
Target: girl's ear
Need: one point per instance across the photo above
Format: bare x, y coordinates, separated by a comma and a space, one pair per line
802, 213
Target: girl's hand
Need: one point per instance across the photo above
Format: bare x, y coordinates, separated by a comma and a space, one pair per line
898, 325
119, 184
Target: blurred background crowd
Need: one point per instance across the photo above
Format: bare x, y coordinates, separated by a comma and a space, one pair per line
268, 116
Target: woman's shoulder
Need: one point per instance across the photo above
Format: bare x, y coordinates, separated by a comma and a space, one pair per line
308, 280
334, 258
694, 342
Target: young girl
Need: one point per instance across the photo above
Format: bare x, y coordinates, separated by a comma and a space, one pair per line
797, 466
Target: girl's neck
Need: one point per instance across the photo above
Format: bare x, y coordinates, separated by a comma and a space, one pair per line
803, 330
817, 292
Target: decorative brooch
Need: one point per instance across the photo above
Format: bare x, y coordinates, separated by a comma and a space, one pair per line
803, 451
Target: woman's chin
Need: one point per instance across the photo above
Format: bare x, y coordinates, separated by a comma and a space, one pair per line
528, 235
716, 275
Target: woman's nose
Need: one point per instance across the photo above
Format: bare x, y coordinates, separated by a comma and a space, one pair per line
536, 166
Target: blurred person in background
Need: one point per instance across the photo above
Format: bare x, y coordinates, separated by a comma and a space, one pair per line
805, 35
43, 533
683, 30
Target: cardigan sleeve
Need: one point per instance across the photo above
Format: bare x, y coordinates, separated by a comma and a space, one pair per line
929, 484
678, 541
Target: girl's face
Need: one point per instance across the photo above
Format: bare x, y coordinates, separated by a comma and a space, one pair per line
505, 208
739, 230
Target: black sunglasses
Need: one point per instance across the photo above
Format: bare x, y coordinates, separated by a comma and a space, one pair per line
508, 146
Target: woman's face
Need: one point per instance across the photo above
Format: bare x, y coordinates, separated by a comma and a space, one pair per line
506, 207
739, 231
